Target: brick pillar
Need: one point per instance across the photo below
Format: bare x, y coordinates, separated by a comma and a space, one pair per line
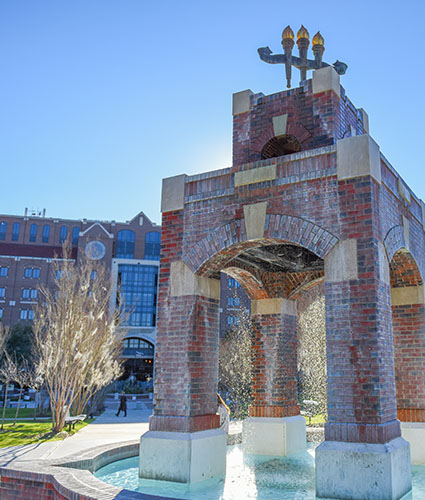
409, 355
362, 447
186, 364
275, 426
274, 385
184, 442
360, 367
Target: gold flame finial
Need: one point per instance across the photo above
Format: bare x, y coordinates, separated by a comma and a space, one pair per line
318, 39
287, 33
303, 33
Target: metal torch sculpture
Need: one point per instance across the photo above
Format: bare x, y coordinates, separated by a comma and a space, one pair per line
301, 62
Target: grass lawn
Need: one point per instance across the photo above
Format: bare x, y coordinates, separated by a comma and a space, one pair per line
23, 413
314, 421
26, 432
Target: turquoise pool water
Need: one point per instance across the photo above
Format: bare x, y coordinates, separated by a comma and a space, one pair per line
247, 477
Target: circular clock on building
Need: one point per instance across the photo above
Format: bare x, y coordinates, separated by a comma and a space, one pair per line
95, 250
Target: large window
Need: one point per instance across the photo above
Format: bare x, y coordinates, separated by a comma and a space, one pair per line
46, 234
2, 292
33, 232
4, 271
26, 314
1, 313
15, 231
29, 293
3, 229
125, 244
137, 347
31, 272
75, 235
152, 245
138, 287
63, 234
232, 283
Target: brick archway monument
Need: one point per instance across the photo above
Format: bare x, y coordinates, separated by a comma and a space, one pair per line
334, 210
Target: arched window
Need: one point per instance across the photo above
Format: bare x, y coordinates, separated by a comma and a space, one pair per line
280, 146
125, 244
75, 235
152, 245
63, 234
3, 229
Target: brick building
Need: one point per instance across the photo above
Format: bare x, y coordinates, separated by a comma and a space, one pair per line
130, 250
233, 301
310, 201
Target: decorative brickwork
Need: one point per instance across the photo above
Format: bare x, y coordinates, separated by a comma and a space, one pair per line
353, 221
252, 286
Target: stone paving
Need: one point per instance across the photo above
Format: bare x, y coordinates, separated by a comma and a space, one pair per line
106, 429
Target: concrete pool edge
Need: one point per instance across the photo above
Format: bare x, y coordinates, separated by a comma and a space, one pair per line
71, 477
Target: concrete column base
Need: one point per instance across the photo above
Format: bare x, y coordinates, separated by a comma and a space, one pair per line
274, 436
183, 457
357, 471
414, 433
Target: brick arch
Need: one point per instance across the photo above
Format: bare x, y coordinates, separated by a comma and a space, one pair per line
251, 285
295, 129
408, 319
394, 241
213, 252
404, 270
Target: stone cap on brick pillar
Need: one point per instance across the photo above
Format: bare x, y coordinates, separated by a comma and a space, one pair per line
241, 102
325, 79
184, 282
358, 156
172, 197
273, 306
341, 262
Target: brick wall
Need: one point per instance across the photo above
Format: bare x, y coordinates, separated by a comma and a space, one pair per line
21, 489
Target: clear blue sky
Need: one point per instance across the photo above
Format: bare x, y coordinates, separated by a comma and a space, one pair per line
101, 99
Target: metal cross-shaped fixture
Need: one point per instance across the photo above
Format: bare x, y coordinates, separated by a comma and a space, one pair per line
301, 62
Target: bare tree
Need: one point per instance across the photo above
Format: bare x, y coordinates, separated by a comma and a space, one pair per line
4, 337
77, 342
8, 373
22, 377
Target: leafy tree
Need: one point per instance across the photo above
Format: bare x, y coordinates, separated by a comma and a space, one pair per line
21, 342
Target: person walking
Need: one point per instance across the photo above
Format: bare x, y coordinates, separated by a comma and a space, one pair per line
123, 405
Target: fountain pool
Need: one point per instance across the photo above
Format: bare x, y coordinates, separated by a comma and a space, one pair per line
247, 477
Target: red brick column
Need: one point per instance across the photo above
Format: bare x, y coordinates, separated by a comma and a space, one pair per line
360, 364
186, 369
409, 355
274, 385
360, 369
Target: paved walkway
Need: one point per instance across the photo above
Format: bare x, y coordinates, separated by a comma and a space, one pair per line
106, 429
